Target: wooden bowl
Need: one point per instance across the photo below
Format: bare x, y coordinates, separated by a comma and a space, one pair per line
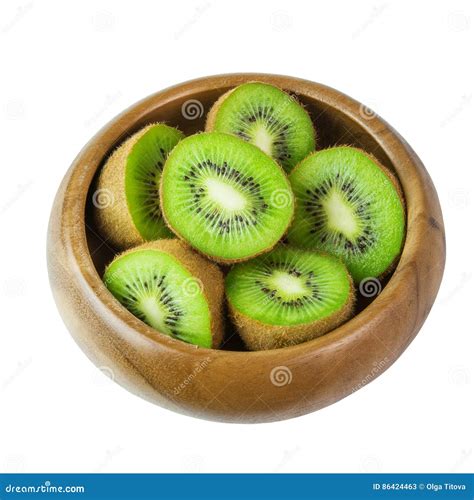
232, 385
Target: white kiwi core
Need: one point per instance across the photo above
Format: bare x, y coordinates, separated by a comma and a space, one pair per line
288, 285
340, 215
155, 315
225, 195
263, 139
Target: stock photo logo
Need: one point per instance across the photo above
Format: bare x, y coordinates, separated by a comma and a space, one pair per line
241, 252
192, 109
281, 376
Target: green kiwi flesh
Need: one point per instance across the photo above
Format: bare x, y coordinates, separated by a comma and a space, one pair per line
350, 206
268, 118
225, 197
172, 289
129, 184
288, 296
142, 179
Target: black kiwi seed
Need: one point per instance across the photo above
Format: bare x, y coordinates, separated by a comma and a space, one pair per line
313, 295
278, 129
245, 184
156, 284
347, 188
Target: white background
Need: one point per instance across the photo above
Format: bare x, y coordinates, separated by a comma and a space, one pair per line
69, 67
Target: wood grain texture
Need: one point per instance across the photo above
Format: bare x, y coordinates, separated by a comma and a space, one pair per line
227, 385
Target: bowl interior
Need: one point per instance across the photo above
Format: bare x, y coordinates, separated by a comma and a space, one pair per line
334, 127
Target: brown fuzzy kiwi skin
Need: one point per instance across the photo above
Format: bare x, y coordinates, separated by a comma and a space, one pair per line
114, 220
212, 114
204, 271
392, 178
258, 336
228, 262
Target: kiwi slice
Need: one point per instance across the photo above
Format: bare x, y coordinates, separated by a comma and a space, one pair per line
288, 296
129, 184
225, 197
350, 206
172, 289
267, 117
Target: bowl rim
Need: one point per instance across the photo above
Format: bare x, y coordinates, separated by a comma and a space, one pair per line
84, 168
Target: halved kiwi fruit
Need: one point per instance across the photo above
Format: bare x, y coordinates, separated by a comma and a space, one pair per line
267, 117
129, 185
288, 296
172, 289
350, 206
225, 197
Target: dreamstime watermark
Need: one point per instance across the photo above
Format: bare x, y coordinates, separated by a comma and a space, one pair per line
20, 191
458, 21
46, 487
189, 379
370, 287
20, 13
192, 287
192, 109
281, 198
281, 376
110, 278
14, 287
280, 20
192, 464
108, 458
21, 367
14, 109
459, 375
108, 372
463, 103
103, 198
465, 454
198, 13
108, 101
98, 378
460, 198
366, 112
371, 464
465, 278
376, 12
287, 457
14, 463
103, 21
377, 367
